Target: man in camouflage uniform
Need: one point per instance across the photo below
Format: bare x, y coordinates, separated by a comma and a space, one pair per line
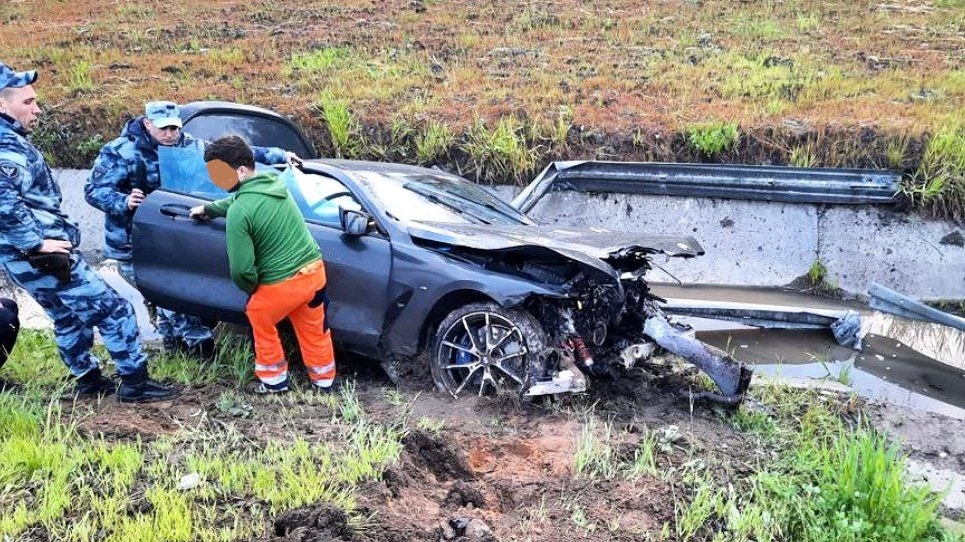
125, 172
36, 239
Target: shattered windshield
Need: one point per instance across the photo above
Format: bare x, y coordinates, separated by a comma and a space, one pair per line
428, 197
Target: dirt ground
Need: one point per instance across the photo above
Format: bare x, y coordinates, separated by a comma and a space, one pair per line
502, 470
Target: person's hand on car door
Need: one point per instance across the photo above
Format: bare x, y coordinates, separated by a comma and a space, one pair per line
197, 213
293, 159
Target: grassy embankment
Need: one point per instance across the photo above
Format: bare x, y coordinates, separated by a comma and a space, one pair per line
815, 475
496, 90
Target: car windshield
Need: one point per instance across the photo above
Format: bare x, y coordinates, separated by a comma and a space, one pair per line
427, 196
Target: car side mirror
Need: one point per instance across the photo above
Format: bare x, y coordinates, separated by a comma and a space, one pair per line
353, 222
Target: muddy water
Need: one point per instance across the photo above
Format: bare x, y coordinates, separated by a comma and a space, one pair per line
906, 362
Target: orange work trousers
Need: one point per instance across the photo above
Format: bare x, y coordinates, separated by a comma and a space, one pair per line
272, 303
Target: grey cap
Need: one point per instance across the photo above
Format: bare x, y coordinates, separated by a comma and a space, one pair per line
163, 114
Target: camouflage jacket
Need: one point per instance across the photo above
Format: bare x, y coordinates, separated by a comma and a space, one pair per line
129, 162
29, 197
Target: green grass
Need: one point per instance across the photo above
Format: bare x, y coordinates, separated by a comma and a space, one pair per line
320, 59
500, 152
342, 126
828, 483
433, 142
79, 487
233, 365
939, 182
79, 78
595, 456
712, 139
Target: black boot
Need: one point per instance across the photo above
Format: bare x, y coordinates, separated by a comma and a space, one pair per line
138, 388
204, 350
95, 383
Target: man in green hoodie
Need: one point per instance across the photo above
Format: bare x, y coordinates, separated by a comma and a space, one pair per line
273, 257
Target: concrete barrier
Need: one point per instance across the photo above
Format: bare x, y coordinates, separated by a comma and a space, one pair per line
770, 244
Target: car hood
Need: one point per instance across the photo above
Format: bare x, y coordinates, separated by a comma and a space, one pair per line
579, 244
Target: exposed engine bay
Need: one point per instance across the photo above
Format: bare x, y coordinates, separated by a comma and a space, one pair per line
599, 303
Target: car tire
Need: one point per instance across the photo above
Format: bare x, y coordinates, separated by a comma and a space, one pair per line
463, 361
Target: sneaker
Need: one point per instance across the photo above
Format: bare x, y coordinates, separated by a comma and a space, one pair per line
266, 389
334, 387
94, 383
145, 391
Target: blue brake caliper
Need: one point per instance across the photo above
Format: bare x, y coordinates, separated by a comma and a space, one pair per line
463, 357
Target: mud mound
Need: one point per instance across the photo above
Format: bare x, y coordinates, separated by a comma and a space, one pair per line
428, 453
312, 524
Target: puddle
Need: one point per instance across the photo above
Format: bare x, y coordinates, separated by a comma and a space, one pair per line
885, 370
907, 362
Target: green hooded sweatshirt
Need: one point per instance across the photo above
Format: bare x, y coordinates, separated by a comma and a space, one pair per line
267, 238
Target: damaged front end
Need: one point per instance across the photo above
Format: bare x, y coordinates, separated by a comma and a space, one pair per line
599, 313
599, 299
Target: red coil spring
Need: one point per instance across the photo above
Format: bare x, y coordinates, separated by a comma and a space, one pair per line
580, 351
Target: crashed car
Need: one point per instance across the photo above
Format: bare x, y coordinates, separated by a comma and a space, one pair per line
421, 261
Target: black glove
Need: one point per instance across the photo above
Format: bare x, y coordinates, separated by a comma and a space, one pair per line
321, 296
57, 264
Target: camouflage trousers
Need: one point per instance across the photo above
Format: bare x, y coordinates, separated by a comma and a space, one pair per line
79, 305
171, 325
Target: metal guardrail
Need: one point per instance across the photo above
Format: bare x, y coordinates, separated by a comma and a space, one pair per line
769, 183
887, 300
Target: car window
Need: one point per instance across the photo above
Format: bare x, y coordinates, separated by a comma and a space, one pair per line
256, 130
427, 196
183, 171
319, 196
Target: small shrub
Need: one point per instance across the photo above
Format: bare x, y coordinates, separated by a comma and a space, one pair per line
91, 146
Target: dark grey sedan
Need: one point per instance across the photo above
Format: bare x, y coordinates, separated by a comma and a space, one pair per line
419, 261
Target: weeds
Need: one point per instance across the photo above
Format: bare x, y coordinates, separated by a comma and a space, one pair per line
342, 126
433, 142
79, 79
896, 151
501, 152
595, 457
939, 182
713, 139
803, 156
75, 487
644, 457
829, 483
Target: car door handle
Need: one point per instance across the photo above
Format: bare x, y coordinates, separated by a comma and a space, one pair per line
175, 210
